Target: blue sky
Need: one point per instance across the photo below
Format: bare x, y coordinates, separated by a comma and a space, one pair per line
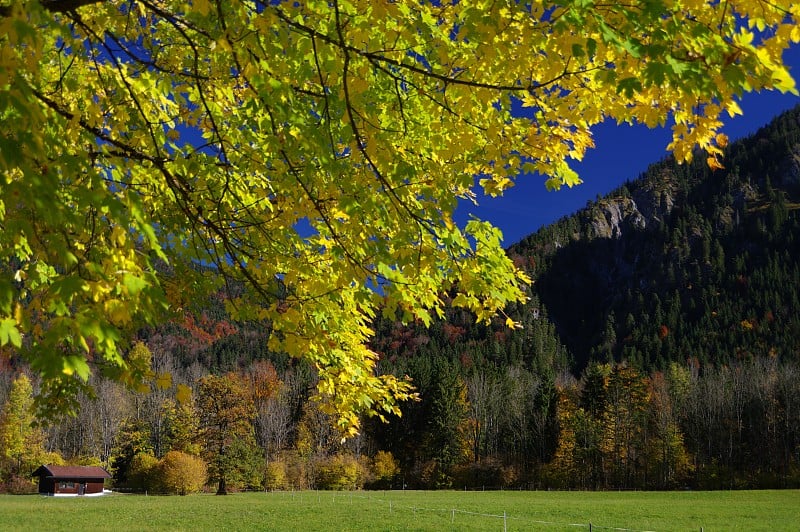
621, 154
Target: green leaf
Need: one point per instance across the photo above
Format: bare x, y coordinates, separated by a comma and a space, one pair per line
633, 47
133, 284
678, 67
6, 296
9, 333
656, 73
629, 86
591, 47
74, 364
609, 35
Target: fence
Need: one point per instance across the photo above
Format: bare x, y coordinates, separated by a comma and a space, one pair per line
393, 506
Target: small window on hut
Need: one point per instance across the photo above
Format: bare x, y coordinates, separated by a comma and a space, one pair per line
66, 485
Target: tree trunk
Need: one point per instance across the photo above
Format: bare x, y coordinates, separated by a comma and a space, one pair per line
221, 489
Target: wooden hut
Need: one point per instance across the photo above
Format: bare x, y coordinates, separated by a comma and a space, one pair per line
71, 480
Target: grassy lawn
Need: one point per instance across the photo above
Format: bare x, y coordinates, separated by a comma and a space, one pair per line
410, 510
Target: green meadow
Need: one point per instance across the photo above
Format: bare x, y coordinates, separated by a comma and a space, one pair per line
410, 510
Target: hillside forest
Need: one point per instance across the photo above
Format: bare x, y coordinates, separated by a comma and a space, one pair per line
659, 350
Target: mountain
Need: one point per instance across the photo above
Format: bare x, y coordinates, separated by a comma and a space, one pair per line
684, 262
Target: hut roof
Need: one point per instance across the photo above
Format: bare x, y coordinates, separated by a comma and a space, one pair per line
54, 471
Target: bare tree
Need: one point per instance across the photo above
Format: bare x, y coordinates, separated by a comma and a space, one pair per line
273, 423
110, 408
483, 392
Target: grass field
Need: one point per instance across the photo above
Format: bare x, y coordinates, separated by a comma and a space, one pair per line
410, 510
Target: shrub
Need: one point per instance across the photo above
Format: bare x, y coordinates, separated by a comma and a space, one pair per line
17, 485
85, 461
182, 473
299, 470
432, 475
384, 470
53, 458
338, 472
488, 472
275, 477
143, 472
364, 471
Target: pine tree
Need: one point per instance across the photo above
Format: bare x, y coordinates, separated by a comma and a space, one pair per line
447, 425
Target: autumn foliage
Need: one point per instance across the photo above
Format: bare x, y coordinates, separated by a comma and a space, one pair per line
182, 473
314, 152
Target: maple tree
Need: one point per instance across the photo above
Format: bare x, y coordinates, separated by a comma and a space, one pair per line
316, 151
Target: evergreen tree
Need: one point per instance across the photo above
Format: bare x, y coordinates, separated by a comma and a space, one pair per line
445, 443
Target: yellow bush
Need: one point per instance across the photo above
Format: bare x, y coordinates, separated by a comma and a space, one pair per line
275, 477
338, 472
384, 469
182, 473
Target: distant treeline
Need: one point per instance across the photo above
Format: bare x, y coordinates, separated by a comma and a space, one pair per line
478, 424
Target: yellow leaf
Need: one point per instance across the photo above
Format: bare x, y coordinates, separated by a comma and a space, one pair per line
164, 381
714, 163
201, 6
183, 394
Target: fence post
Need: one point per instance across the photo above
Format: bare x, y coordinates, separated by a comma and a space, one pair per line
505, 523
453, 516
590, 527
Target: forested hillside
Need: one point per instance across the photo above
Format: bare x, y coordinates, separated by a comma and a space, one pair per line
684, 262
660, 349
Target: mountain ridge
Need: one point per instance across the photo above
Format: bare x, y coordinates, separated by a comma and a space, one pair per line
678, 237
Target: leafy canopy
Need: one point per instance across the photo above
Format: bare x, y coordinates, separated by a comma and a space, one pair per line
154, 151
